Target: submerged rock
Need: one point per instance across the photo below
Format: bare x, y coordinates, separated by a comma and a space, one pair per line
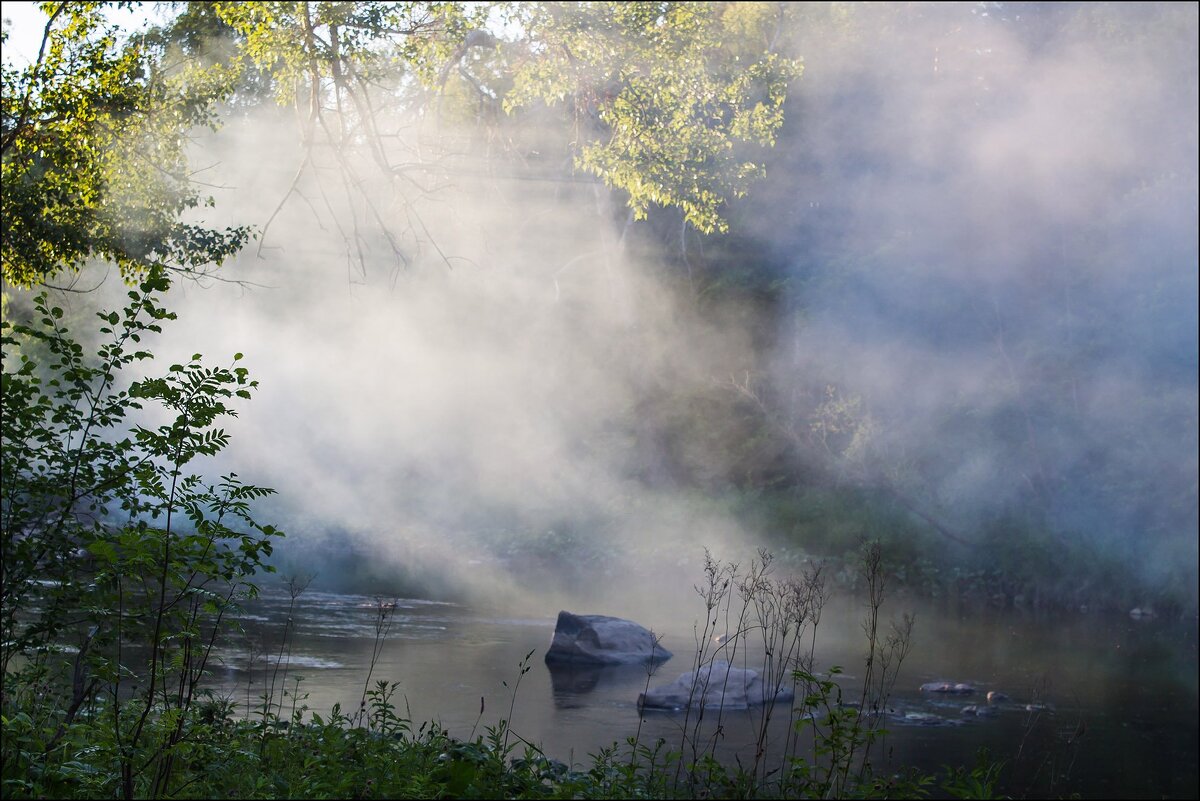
995, 697
947, 687
715, 686
979, 711
602, 640
925, 719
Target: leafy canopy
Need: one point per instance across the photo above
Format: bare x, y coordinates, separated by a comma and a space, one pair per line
666, 97
667, 102
93, 137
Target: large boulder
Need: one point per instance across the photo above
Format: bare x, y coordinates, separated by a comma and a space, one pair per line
602, 640
718, 685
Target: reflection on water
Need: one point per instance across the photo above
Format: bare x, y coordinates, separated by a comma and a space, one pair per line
569, 683
1102, 707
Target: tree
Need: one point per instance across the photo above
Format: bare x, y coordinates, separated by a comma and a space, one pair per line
112, 547
115, 544
119, 563
664, 98
666, 103
93, 139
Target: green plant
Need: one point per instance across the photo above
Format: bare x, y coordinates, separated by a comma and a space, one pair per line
119, 564
979, 781
296, 585
384, 614
94, 146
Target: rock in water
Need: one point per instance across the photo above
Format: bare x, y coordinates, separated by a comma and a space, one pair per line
979, 711
714, 686
947, 687
602, 640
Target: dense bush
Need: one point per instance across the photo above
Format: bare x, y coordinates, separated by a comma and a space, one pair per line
119, 563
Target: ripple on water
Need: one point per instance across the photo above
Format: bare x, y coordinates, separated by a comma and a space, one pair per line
232, 660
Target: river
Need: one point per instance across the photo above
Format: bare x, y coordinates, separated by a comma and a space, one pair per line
1102, 706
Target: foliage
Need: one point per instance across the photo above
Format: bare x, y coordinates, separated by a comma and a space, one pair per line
306, 47
665, 101
663, 95
93, 137
119, 563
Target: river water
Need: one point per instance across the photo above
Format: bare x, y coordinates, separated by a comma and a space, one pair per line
1098, 705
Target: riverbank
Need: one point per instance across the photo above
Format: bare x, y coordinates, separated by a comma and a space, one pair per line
379, 754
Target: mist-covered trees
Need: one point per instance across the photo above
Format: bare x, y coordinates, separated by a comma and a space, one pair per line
993, 257
666, 102
669, 103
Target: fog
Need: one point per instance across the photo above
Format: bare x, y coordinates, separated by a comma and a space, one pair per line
994, 250
985, 218
438, 418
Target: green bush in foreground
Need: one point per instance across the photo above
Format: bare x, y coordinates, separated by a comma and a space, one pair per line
119, 563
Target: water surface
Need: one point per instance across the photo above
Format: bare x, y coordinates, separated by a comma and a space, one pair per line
1102, 706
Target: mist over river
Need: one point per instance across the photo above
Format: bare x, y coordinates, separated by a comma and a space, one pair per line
502, 309
1103, 706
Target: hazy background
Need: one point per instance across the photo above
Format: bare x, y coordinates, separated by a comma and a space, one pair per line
995, 246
